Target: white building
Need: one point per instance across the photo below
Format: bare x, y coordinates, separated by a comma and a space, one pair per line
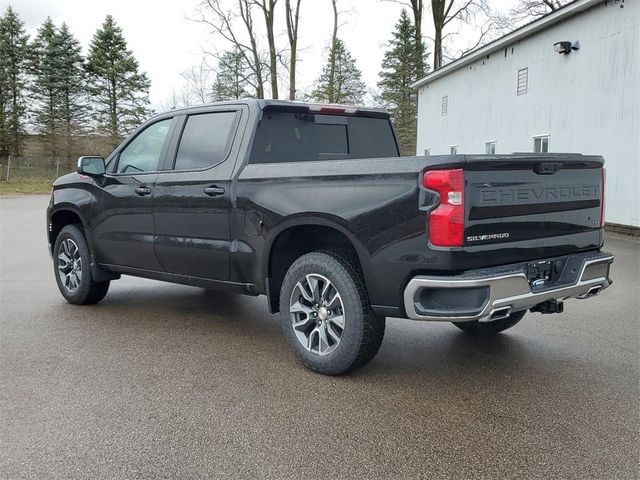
520, 94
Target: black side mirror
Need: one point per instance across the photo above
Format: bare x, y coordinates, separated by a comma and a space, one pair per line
93, 166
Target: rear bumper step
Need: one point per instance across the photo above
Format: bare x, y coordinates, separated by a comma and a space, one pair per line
488, 295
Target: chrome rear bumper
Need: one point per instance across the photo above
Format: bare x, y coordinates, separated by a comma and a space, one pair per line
496, 296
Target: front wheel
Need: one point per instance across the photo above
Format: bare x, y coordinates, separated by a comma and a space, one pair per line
326, 316
72, 265
483, 329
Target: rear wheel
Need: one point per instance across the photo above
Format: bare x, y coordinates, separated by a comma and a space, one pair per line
326, 316
72, 264
483, 329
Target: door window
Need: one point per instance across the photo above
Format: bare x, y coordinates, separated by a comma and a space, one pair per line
205, 141
143, 153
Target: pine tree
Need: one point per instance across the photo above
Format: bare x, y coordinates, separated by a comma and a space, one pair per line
58, 89
231, 79
14, 51
73, 99
120, 91
340, 81
45, 68
402, 64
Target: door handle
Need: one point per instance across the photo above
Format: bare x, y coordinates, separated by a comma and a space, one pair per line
214, 191
143, 191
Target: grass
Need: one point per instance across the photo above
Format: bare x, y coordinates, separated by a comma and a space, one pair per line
27, 180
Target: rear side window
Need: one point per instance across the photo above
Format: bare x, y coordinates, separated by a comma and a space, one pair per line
299, 137
206, 140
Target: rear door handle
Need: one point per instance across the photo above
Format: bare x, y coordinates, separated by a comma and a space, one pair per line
214, 191
143, 191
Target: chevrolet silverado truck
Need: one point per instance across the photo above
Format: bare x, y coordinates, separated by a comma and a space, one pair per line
314, 207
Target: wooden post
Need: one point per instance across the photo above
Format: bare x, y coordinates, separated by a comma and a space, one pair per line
8, 166
57, 167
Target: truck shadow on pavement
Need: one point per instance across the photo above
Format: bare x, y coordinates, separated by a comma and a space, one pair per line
431, 349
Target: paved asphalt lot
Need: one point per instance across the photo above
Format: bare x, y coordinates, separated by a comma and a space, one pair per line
165, 381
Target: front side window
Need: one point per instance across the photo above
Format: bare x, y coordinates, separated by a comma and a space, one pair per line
143, 153
541, 144
205, 140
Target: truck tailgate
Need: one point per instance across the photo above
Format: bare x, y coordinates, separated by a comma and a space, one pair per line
531, 206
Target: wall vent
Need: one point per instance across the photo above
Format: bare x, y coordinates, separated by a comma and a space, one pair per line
523, 81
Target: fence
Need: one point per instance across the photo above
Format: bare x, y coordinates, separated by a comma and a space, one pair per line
29, 176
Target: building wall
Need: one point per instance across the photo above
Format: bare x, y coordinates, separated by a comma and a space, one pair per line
587, 101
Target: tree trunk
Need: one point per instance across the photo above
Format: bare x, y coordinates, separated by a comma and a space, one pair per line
268, 9
331, 86
245, 12
293, 17
437, 48
113, 107
418, 7
439, 12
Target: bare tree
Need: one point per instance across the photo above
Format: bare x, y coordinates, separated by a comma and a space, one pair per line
530, 9
268, 8
293, 17
172, 101
224, 23
476, 12
198, 80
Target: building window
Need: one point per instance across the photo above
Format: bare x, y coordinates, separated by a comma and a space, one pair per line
445, 105
541, 144
453, 149
490, 147
523, 81
427, 152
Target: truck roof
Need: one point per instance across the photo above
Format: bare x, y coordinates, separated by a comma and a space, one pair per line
268, 104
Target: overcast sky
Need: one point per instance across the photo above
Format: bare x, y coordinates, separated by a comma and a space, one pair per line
166, 40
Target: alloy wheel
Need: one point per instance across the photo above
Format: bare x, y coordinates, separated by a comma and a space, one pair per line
69, 265
317, 314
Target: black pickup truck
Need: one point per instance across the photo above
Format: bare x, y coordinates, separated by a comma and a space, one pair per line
314, 207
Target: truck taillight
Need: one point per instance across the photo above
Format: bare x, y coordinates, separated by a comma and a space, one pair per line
602, 201
446, 222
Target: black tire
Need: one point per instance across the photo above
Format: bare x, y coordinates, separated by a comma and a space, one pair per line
363, 330
87, 290
484, 329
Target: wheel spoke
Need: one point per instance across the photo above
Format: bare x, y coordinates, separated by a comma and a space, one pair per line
338, 320
314, 287
332, 333
323, 341
325, 290
335, 301
64, 261
313, 333
300, 307
303, 291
